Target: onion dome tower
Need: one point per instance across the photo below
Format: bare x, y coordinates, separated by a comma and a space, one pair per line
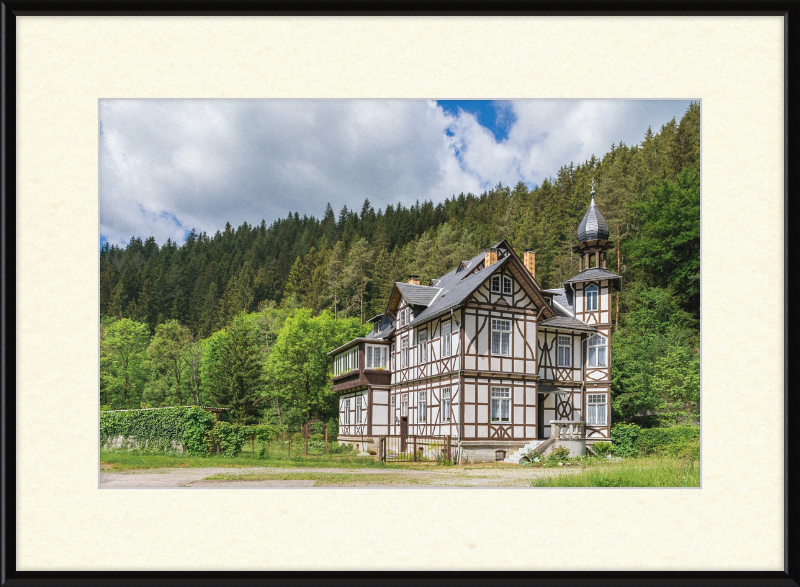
592, 238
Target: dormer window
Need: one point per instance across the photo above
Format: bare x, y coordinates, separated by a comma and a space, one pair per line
591, 298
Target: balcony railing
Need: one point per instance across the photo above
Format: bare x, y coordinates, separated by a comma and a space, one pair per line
568, 429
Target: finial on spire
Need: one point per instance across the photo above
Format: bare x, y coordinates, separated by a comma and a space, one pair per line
592, 192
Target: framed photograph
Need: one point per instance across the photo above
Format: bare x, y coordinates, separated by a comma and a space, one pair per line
340, 296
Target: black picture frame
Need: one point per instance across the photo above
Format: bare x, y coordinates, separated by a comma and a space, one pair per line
790, 10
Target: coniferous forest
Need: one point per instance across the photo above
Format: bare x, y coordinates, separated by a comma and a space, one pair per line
244, 317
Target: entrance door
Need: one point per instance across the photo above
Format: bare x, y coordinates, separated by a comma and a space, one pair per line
403, 433
540, 417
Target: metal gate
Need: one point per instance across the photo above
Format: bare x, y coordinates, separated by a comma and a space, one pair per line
414, 447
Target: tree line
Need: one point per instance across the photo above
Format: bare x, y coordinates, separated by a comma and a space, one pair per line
241, 288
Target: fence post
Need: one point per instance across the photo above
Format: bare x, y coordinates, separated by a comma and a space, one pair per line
447, 454
415, 448
326, 439
306, 453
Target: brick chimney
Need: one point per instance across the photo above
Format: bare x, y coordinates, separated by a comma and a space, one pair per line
530, 261
490, 257
413, 279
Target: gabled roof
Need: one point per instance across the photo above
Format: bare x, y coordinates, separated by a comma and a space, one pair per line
593, 274
456, 291
457, 285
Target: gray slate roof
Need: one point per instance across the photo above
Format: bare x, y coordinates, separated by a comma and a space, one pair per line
381, 334
418, 295
593, 226
593, 274
560, 298
456, 288
566, 322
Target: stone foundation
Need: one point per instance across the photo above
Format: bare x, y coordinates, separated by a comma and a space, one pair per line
484, 451
362, 443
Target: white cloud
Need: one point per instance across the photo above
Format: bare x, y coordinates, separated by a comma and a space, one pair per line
169, 165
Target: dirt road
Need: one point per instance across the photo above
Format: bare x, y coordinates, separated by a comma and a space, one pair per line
257, 477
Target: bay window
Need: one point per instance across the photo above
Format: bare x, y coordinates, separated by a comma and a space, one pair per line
346, 361
376, 357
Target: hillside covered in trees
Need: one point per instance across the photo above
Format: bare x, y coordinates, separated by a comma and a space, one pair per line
219, 319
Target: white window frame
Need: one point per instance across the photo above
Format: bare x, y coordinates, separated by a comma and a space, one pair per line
402, 318
422, 406
422, 345
446, 404
404, 352
501, 335
346, 412
359, 409
500, 396
597, 345
345, 362
495, 284
508, 286
591, 296
564, 350
594, 416
404, 404
447, 338
371, 352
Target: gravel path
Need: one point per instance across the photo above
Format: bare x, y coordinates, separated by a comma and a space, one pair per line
467, 476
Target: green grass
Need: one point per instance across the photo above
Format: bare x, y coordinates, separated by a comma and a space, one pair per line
275, 458
322, 479
649, 472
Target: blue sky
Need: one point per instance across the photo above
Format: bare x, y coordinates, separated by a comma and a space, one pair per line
167, 166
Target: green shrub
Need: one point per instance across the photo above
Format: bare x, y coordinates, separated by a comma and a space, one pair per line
677, 441
603, 448
624, 437
559, 453
335, 448
264, 433
231, 438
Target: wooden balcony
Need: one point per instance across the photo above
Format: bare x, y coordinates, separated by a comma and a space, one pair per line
359, 378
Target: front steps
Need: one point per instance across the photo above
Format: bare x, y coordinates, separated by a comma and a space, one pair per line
515, 457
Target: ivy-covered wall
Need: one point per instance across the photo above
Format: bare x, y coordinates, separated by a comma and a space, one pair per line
180, 429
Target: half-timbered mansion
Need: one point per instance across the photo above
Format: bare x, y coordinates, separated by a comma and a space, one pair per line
485, 355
